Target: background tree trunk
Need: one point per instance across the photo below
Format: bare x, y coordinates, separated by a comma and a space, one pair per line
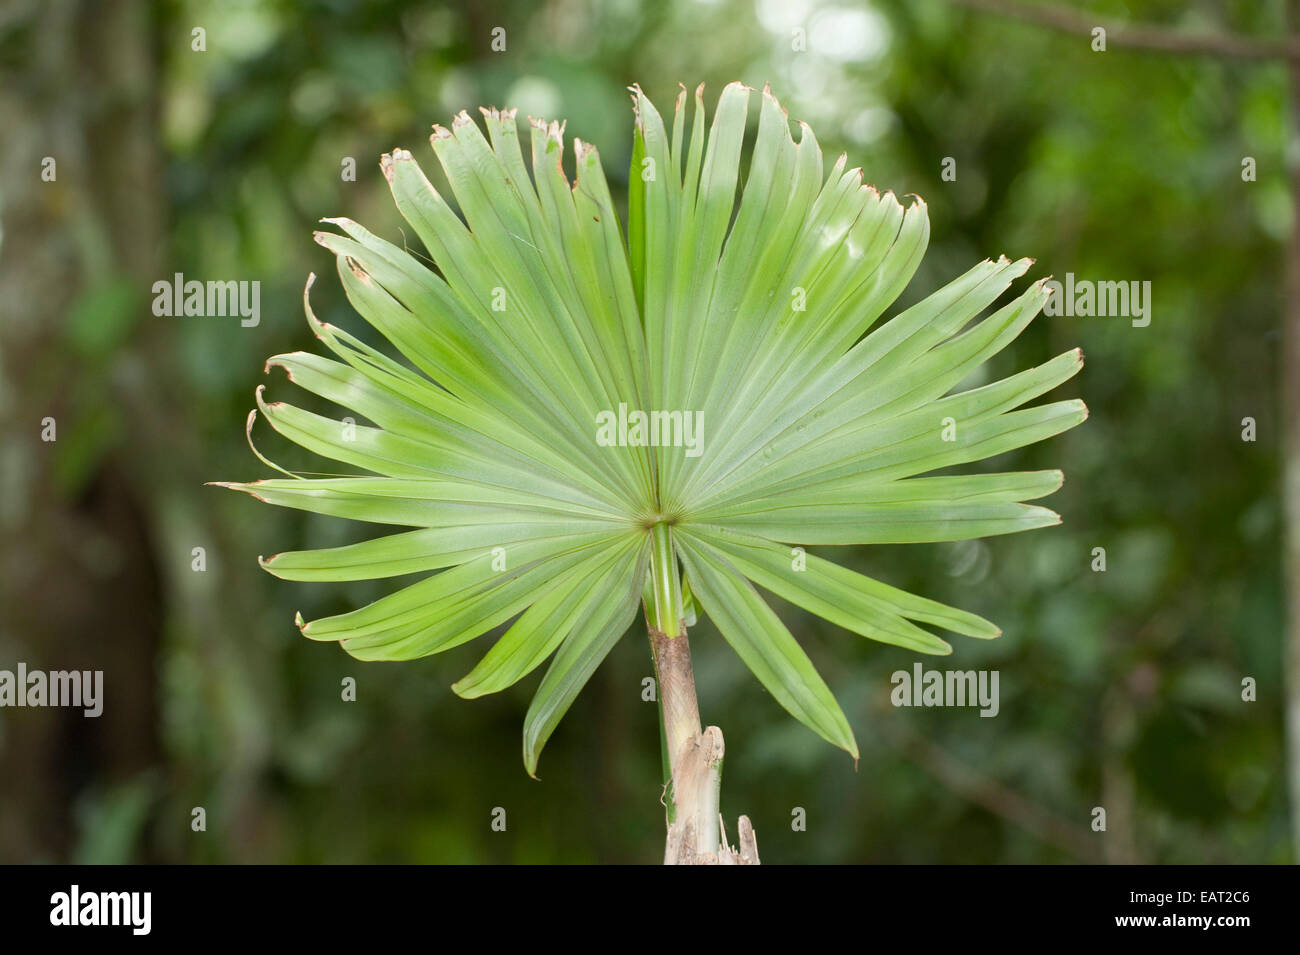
79, 588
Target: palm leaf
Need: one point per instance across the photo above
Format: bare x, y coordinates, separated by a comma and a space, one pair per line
758, 310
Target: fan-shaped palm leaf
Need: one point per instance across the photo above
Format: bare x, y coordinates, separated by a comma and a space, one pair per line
538, 317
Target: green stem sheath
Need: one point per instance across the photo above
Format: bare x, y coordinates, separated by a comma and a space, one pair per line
665, 582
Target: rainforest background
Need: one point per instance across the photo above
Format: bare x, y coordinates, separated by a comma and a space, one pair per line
1120, 689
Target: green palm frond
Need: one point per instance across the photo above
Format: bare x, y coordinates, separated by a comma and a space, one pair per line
758, 314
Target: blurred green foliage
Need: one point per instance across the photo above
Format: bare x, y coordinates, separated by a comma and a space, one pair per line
1119, 689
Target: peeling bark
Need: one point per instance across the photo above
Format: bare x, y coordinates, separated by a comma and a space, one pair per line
696, 832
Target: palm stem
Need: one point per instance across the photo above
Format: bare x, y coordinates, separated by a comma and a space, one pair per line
672, 651
694, 756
